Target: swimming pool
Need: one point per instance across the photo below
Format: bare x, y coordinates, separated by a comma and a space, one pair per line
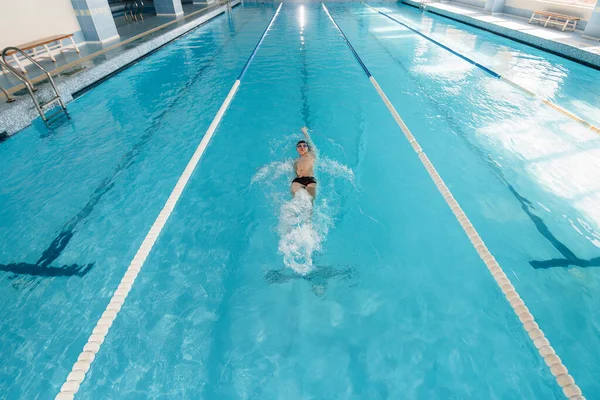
390, 300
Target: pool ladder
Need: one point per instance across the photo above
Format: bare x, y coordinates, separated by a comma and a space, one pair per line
55, 99
9, 98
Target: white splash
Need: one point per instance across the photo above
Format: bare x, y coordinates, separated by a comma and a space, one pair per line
274, 170
298, 238
334, 168
303, 225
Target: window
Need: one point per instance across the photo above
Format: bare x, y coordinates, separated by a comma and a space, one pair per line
583, 3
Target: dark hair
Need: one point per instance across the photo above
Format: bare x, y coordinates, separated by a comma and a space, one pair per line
303, 141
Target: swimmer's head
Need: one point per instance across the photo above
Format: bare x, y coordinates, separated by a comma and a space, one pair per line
302, 147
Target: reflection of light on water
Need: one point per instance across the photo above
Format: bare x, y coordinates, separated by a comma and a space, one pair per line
533, 73
301, 17
450, 69
586, 111
439, 64
405, 36
388, 29
303, 226
566, 168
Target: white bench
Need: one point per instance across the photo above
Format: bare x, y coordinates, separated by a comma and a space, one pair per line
555, 19
43, 47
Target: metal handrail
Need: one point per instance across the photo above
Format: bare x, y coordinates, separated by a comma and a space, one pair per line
9, 99
26, 81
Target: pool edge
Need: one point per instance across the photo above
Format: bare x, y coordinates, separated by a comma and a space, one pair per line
22, 112
562, 50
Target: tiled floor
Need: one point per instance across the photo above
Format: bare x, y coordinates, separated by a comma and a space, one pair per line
570, 38
130, 29
548, 38
127, 30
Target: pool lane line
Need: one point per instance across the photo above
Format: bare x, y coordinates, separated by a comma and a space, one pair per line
569, 257
467, 59
560, 372
494, 74
91, 348
43, 266
243, 72
79, 61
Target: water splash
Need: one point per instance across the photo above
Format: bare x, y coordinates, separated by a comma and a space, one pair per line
298, 236
336, 169
303, 225
274, 170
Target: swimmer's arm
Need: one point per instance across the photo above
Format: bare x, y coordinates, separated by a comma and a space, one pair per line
310, 142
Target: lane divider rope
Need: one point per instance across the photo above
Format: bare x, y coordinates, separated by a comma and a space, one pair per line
494, 74
91, 348
541, 343
418, 32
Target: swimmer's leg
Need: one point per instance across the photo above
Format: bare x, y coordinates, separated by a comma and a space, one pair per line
296, 186
312, 189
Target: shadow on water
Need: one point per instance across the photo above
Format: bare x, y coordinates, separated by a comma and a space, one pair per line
42, 267
318, 278
570, 259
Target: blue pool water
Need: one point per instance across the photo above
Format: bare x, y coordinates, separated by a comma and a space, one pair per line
382, 295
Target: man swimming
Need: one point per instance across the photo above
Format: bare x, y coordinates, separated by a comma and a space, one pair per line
304, 166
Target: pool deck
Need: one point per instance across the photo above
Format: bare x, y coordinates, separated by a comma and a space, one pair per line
570, 45
73, 71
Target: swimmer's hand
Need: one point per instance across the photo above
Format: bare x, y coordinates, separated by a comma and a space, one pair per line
304, 130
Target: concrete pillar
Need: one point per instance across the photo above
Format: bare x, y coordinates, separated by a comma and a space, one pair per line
498, 6
592, 29
494, 6
170, 8
96, 20
489, 4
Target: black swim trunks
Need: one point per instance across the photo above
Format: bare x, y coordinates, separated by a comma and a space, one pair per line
305, 180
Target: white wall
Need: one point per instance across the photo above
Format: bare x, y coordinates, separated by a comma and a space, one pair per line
22, 21
568, 9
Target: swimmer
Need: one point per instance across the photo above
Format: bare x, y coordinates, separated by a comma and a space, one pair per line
304, 166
